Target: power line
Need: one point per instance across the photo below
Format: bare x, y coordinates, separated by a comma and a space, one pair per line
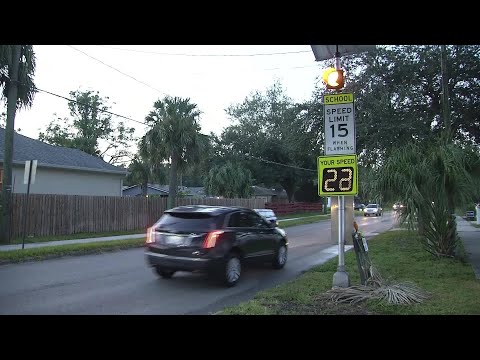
293, 67
163, 93
278, 68
206, 55
219, 55
127, 118
101, 110
142, 123
276, 163
114, 68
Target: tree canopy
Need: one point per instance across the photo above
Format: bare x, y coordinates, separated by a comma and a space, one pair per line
89, 125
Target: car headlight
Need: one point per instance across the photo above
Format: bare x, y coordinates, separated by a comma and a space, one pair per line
281, 231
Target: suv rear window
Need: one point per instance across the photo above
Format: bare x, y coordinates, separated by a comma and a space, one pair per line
267, 213
187, 222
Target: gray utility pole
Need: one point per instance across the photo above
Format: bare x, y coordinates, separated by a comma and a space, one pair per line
12, 97
445, 95
341, 215
341, 208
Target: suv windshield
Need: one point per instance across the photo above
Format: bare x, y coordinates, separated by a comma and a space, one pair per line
187, 222
370, 206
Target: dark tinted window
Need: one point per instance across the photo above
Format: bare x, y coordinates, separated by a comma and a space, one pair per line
245, 219
234, 220
257, 220
187, 222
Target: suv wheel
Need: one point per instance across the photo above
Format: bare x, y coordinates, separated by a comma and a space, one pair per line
165, 274
280, 257
232, 270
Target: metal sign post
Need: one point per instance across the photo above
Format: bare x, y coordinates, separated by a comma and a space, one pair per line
338, 173
340, 138
28, 178
340, 278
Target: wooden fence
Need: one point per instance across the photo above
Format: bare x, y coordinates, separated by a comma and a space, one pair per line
72, 214
297, 207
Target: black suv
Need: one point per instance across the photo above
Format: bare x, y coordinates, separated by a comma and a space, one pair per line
213, 239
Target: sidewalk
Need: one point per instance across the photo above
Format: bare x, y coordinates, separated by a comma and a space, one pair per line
68, 242
82, 241
470, 237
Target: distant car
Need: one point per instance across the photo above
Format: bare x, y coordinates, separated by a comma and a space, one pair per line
398, 206
372, 209
470, 215
357, 206
214, 239
268, 214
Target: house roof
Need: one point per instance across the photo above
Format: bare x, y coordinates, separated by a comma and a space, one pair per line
194, 190
151, 186
261, 191
25, 148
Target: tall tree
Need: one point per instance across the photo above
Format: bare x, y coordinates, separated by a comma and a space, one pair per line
174, 137
229, 180
398, 99
398, 96
17, 68
269, 128
89, 124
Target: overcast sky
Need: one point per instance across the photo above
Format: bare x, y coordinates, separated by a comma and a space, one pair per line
212, 82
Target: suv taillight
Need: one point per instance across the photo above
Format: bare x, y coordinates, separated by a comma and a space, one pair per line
150, 236
211, 239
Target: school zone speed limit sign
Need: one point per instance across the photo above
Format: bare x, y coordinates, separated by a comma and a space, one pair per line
339, 115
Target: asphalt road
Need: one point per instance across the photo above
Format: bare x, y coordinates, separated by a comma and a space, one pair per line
121, 283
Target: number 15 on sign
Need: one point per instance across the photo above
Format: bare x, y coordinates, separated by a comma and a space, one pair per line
337, 175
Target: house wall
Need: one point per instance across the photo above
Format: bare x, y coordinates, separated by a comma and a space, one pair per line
68, 182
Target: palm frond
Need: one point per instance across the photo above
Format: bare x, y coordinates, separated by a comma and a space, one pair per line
26, 72
375, 286
404, 293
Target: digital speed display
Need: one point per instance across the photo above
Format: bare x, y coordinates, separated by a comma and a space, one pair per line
337, 175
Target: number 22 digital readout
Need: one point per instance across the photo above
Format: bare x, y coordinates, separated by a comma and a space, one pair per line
337, 179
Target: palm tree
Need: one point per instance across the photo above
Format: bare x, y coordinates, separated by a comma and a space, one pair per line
174, 136
432, 180
26, 70
17, 68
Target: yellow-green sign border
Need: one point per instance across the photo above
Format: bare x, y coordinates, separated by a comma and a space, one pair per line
335, 158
